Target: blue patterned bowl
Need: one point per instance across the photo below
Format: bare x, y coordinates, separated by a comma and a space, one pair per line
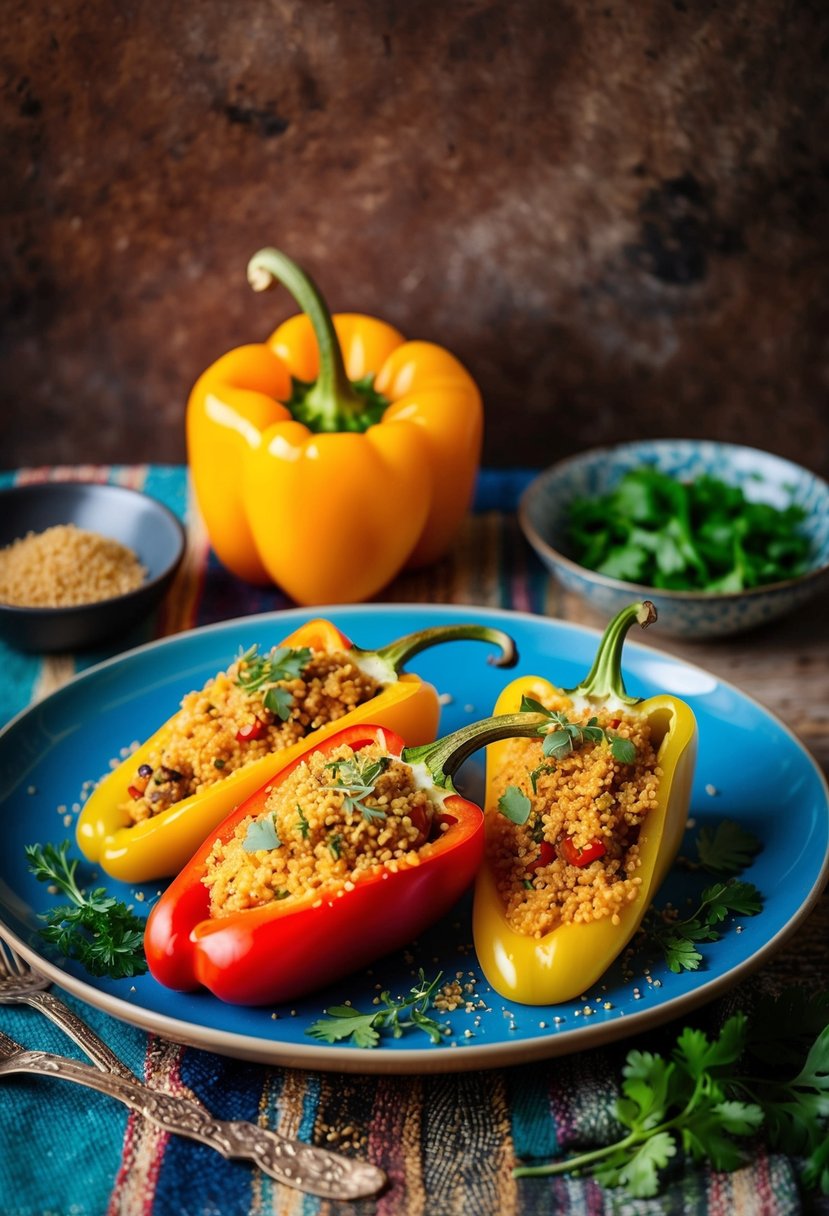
692, 614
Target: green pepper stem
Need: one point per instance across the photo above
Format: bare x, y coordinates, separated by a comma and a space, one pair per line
605, 682
445, 756
399, 652
332, 397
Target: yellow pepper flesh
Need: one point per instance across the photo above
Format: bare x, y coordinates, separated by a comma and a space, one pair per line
564, 963
160, 845
332, 511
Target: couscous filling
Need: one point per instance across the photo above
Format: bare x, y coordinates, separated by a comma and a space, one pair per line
260, 704
333, 818
575, 856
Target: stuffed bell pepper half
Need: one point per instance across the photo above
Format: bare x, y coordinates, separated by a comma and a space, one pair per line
582, 825
148, 816
348, 852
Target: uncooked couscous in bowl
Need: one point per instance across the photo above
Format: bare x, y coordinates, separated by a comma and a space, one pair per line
81, 562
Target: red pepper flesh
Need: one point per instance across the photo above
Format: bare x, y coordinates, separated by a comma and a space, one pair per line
250, 731
285, 949
580, 857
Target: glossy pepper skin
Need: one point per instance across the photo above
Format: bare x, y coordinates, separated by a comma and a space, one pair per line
159, 846
283, 950
567, 961
325, 488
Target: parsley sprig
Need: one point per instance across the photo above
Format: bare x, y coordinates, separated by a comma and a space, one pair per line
356, 779
265, 671
702, 1102
392, 1016
561, 736
724, 850
668, 1105
678, 939
96, 929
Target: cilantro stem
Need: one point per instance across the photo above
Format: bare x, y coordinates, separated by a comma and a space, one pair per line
638, 1136
570, 1164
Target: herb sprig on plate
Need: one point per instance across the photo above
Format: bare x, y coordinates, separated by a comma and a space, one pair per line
724, 850
98, 930
391, 1015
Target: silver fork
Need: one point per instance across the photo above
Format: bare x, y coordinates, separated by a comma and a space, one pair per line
306, 1167
20, 984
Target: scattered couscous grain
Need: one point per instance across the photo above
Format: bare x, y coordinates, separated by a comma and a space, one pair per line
227, 725
589, 800
325, 836
64, 566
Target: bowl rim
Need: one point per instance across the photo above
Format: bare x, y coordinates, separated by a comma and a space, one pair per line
541, 545
57, 611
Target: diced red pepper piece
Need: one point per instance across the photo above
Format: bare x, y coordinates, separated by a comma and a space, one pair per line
250, 731
568, 852
546, 854
134, 791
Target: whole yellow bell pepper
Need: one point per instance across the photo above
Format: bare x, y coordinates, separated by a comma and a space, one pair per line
565, 962
160, 845
336, 453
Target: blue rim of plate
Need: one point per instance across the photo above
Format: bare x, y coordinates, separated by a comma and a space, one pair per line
751, 769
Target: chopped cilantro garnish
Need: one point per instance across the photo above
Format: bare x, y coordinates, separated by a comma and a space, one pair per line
701, 536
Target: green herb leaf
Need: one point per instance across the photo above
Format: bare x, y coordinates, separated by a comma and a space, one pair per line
638, 1171
99, 931
703, 536
303, 827
356, 779
365, 1029
570, 735
262, 834
623, 750
515, 805
726, 849
677, 939
538, 772
258, 672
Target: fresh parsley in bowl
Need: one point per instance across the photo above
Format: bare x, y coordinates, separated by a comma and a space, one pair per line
721, 537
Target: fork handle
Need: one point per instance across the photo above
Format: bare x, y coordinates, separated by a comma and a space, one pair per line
316, 1171
80, 1033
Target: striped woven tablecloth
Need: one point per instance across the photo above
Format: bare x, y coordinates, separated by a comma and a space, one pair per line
448, 1143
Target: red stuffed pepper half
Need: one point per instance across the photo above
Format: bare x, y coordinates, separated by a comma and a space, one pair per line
349, 852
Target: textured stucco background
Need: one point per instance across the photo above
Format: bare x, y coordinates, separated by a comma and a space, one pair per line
615, 213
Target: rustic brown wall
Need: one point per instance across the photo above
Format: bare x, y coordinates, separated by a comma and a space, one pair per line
615, 213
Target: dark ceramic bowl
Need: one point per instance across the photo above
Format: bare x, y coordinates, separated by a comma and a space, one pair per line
144, 525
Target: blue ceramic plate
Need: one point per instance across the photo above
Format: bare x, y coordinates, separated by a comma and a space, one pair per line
751, 769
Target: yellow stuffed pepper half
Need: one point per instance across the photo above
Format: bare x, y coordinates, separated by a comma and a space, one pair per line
147, 817
582, 825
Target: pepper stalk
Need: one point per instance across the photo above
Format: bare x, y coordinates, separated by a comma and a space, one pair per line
445, 756
387, 662
332, 403
604, 684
